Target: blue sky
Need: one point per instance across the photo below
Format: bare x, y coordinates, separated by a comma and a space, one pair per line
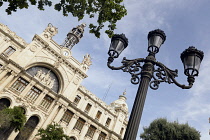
185, 22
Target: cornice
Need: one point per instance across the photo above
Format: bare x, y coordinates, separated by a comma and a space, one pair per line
98, 101
12, 35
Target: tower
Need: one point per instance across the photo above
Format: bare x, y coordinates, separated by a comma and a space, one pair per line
74, 36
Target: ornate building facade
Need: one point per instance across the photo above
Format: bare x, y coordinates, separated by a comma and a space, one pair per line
44, 79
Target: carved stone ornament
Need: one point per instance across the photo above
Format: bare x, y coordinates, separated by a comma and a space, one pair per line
57, 64
87, 60
50, 31
45, 78
33, 48
76, 81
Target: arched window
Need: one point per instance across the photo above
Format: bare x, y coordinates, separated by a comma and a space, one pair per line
4, 103
46, 76
27, 130
72, 138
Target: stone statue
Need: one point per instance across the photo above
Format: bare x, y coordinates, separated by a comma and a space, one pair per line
87, 60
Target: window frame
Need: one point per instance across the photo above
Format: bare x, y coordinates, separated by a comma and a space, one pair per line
33, 94
77, 100
88, 108
67, 116
102, 136
9, 51
91, 131
98, 115
79, 124
46, 102
19, 85
108, 122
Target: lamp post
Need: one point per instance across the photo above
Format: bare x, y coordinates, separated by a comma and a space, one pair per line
149, 72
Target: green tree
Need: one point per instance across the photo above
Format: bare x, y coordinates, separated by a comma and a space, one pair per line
11, 119
106, 10
161, 129
52, 132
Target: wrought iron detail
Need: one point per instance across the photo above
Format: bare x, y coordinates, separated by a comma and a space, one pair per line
160, 74
133, 67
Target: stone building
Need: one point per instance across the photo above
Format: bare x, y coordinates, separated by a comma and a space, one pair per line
44, 79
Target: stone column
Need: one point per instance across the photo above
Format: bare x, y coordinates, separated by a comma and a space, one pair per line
84, 130
41, 96
60, 114
8, 80
96, 134
72, 123
50, 117
27, 89
3, 74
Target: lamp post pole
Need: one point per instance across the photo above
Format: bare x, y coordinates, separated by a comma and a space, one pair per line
150, 73
135, 117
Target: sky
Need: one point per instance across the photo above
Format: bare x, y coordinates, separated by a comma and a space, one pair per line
185, 23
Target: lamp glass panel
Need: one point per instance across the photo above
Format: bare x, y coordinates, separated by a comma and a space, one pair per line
155, 41
120, 46
197, 62
117, 45
113, 45
189, 62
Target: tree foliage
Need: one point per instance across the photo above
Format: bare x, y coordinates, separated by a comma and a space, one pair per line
106, 10
12, 117
52, 132
161, 129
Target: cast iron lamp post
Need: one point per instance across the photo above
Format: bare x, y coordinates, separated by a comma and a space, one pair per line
149, 72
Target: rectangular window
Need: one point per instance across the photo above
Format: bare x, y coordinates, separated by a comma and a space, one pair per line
102, 136
46, 102
108, 121
79, 124
98, 115
77, 99
19, 85
67, 116
121, 131
33, 94
9, 51
91, 131
88, 107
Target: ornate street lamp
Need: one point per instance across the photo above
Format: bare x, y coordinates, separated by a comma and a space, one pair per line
149, 72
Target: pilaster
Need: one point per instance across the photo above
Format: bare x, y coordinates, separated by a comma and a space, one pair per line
27, 89
84, 130
8, 80
60, 114
50, 117
72, 123
96, 134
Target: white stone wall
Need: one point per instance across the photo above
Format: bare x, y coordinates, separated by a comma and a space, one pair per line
43, 51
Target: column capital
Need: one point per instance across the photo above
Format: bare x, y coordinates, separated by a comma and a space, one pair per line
87, 124
98, 131
75, 116
8, 69
13, 73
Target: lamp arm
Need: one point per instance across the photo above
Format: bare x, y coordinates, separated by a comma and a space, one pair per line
183, 86
133, 67
164, 74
